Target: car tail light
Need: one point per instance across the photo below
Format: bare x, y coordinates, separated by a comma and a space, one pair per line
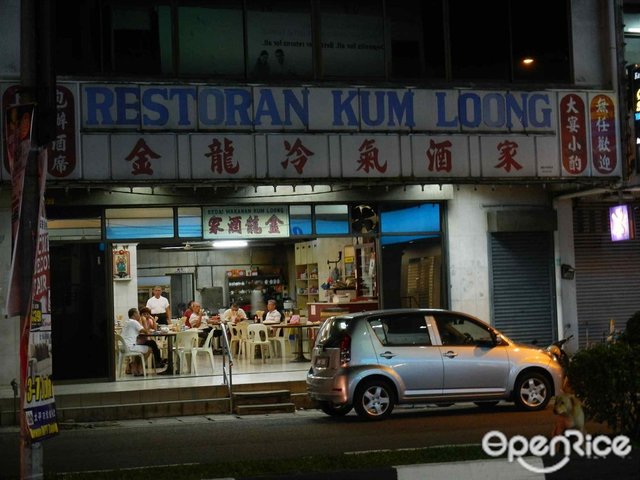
345, 349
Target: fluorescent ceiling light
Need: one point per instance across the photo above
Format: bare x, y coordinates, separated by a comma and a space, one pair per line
633, 30
229, 243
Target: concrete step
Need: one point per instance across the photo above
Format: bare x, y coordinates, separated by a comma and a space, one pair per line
167, 402
265, 408
261, 397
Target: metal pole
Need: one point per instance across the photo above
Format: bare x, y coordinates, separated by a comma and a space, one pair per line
30, 453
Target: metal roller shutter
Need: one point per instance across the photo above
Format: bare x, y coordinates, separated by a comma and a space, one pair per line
607, 275
523, 285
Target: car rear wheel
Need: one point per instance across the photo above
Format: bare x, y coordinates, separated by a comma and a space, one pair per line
374, 399
335, 410
532, 391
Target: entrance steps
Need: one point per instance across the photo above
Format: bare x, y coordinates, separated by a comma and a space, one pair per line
151, 402
263, 402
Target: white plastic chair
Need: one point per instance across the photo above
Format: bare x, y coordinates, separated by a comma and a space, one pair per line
258, 336
234, 330
279, 342
125, 352
186, 341
204, 349
243, 333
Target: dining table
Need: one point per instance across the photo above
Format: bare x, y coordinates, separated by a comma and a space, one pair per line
299, 354
170, 335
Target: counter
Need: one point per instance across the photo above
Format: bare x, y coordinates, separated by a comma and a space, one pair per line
315, 309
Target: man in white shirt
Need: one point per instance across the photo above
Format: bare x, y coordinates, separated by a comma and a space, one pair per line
159, 306
272, 315
198, 318
130, 331
234, 314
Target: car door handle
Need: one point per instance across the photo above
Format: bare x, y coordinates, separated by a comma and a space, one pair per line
388, 355
450, 354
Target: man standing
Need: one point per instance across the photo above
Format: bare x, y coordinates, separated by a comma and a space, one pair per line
159, 306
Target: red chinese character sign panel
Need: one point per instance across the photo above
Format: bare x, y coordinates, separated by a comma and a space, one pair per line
574, 148
441, 156
298, 156
143, 157
604, 138
245, 222
222, 156
508, 156
370, 156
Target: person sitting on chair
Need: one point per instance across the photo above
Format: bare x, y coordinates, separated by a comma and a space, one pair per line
272, 315
148, 322
131, 330
234, 314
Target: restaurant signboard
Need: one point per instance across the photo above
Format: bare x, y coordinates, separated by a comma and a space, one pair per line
245, 222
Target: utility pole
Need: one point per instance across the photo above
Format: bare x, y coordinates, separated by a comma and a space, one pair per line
37, 85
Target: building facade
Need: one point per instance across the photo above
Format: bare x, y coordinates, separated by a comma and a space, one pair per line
434, 161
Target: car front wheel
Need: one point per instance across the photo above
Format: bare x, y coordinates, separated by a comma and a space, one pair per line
532, 391
335, 410
374, 399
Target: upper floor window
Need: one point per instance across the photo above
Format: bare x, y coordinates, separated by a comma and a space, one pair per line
284, 41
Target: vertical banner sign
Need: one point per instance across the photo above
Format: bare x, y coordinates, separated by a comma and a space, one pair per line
603, 134
39, 403
573, 134
18, 126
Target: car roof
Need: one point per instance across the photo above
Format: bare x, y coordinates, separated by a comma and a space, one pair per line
387, 311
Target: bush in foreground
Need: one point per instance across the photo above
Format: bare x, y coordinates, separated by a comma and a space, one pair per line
606, 378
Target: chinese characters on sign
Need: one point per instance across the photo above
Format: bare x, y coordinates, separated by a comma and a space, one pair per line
221, 155
603, 134
297, 154
245, 222
141, 157
312, 133
573, 134
507, 152
62, 154
439, 156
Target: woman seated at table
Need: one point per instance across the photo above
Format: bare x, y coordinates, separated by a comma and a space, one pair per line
147, 320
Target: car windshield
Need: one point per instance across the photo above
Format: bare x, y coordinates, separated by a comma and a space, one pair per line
332, 331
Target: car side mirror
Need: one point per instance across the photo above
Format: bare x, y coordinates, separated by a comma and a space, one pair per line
496, 339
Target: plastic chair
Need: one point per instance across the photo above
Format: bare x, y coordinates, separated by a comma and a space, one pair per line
258, 336
279, 342
243, 333
235, 340
204, 349
186, 341
125, 352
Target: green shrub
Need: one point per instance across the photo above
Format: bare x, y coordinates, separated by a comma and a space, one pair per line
631, 334
606, 378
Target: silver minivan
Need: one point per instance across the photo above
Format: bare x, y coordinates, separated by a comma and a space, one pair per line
372, 361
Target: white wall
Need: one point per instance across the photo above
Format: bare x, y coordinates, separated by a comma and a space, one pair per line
467, 241
125, 292
591, 50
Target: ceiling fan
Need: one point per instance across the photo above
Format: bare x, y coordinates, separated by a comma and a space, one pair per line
190, 246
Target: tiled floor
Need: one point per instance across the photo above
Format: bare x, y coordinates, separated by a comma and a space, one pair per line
243, 372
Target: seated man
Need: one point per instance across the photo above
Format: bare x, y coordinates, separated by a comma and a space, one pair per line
272, 315
234, 314
130, 332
